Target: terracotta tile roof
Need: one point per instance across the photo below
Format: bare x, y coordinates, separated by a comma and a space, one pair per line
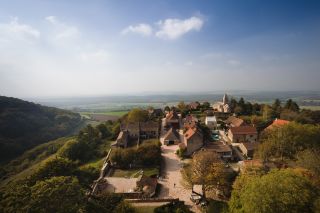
190, 121
278, 123
190, 132
243, 130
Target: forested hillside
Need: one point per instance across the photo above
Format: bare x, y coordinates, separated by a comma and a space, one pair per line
24, 125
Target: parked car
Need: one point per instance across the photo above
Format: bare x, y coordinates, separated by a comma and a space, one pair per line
195, 198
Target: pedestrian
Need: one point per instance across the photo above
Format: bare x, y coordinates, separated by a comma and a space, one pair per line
174, 185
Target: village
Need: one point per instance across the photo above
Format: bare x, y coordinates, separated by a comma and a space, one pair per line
181, 136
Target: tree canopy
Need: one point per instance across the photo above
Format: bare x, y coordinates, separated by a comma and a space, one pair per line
278, 191
286, 141
137, 115
23, 125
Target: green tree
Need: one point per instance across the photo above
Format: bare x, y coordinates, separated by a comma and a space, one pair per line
266, 112
309, 159
104, 131
124, 207
291, 105
57, 194
208, 171
173, 207
233, 104
276, 108
182, 106
279, 191
205, 105
55, 167
105, 202
286, 141
138, 115
77, 150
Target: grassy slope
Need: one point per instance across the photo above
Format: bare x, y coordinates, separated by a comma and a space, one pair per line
30, 161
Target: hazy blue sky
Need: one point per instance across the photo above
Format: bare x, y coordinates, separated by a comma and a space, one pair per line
96, 47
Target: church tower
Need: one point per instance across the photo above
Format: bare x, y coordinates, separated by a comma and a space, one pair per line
225, 99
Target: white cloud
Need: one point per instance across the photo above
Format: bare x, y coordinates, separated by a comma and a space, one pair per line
51, 19
142, 29
16, 31
62, 30
175, 28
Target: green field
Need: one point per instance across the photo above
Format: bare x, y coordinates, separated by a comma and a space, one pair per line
110, 113
311, 107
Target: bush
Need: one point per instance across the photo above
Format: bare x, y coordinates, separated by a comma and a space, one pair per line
75, 150
173, 207
147, 154
55, 167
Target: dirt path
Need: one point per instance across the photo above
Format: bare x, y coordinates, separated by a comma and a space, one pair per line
171, 186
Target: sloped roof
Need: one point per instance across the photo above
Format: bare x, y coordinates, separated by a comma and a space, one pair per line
234, 121
172, 135
219, 147
211, 118
191, 132
149, 126
143, 126
243, 130
278, 123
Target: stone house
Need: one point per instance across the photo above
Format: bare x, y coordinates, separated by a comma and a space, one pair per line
172, 119
243, 134
122, 139
137, 131
222, 149
211, 122
248, 148
172, 137
193, 140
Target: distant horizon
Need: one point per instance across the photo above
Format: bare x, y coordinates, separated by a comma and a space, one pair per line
167, 93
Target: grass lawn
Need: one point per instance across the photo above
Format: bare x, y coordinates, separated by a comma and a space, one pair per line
135, 172
145, 209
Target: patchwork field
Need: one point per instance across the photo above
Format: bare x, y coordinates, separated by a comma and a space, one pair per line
103, 116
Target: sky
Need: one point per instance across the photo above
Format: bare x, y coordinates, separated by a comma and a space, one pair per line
58, 48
